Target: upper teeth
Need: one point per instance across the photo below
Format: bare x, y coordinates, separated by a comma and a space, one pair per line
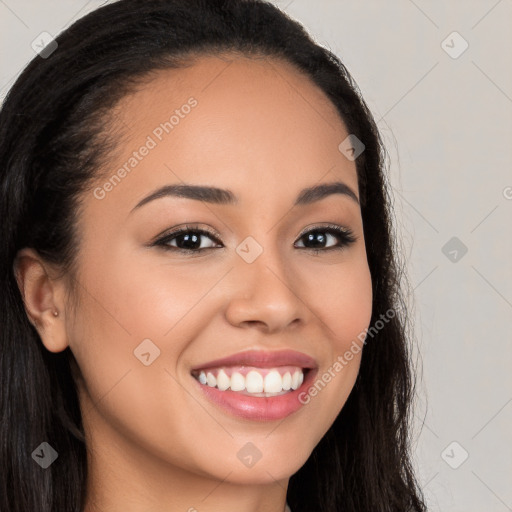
255, 380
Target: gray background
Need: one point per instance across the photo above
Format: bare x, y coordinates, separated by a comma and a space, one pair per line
447, 123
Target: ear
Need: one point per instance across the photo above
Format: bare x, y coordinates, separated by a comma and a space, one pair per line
42, 296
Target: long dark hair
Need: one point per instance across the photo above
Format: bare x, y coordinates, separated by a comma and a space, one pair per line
53, 137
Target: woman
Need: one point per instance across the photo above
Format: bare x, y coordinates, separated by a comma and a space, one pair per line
200, 288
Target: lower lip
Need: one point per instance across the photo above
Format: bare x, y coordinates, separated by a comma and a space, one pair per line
259, 408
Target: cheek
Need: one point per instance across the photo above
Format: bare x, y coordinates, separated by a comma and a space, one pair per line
341, 295
144, 297
146, 404
342, 300
125, 302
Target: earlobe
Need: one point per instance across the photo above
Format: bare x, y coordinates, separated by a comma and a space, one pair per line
41, 295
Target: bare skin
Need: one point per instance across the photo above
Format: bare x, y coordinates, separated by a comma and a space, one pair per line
262, 130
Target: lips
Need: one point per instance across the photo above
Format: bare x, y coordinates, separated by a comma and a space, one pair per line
248, 367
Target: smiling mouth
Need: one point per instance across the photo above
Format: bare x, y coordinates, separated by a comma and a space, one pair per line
251, 380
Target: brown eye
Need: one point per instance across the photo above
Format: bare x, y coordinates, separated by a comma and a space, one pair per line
318, 238
187, 240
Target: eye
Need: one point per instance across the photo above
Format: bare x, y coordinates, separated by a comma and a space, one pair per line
321, 235
187, 240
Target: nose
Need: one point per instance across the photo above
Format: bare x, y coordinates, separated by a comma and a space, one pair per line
267, 295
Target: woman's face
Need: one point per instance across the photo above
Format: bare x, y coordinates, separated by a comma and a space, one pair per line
151, 313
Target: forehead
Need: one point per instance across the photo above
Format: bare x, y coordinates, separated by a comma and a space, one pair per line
234, 122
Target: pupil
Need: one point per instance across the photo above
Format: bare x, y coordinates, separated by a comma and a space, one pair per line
319, 235
186, 238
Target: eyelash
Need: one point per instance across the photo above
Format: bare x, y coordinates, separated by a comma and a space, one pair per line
345, 235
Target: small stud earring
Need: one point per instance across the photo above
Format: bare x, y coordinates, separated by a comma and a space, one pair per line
55, 313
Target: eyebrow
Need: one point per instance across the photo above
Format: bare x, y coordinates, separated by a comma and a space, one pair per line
227, 197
